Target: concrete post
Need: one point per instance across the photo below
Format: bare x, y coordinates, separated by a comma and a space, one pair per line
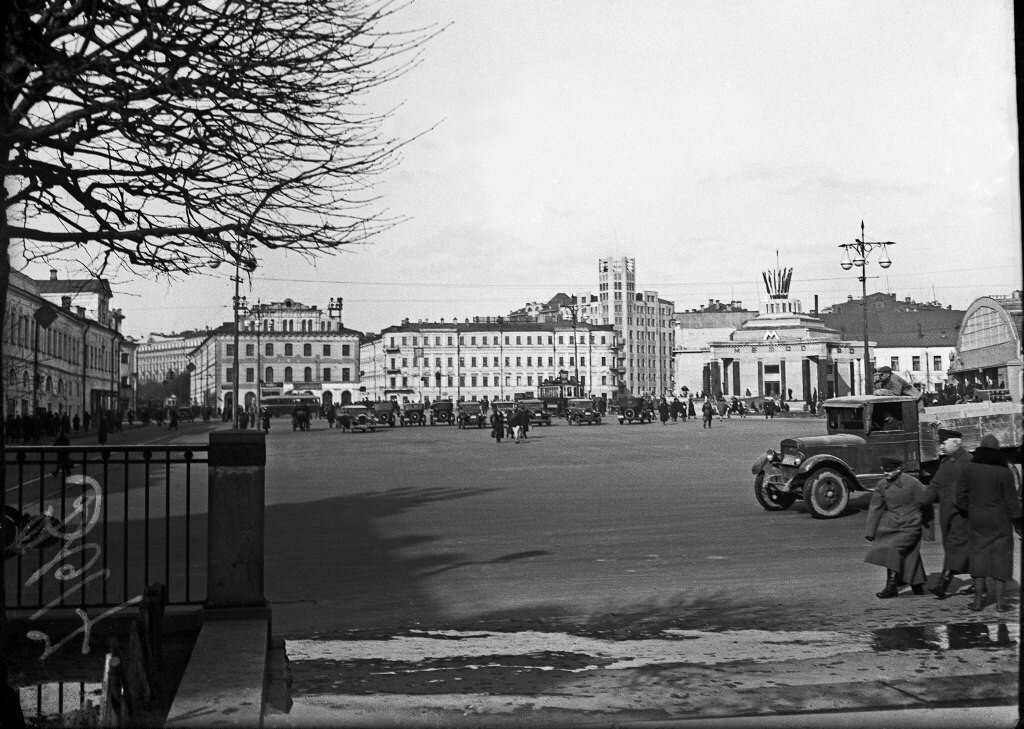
235, 531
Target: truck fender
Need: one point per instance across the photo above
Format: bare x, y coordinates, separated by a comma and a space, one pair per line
759, 464
824, 459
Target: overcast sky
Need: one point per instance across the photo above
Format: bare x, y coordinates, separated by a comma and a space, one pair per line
697, 137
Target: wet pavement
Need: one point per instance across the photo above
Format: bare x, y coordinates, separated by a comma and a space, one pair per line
537, 678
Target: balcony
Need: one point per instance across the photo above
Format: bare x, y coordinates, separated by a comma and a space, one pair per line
392, 350
393, 371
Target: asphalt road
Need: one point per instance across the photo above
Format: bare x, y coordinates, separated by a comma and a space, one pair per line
426, 574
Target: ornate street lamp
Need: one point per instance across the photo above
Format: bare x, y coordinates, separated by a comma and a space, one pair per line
861, 249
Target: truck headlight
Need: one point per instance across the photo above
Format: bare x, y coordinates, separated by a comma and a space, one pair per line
771, 455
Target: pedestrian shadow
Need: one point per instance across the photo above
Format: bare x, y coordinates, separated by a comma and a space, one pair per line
497, 560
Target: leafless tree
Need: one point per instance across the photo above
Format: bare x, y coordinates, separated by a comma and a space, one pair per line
158, 134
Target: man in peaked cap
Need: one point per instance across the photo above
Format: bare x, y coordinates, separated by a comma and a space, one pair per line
886, 382
942, 489
895, 528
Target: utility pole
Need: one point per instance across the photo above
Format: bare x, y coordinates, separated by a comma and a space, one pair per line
861, 250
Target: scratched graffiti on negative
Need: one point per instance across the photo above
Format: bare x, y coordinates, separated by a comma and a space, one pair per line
71, 534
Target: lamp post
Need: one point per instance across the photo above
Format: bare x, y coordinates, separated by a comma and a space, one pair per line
237, 304
257, 315
861, 249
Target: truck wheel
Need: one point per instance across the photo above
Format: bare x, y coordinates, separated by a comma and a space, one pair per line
826, 494
769, 497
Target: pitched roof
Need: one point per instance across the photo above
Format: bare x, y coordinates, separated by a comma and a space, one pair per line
75, 286
889, 327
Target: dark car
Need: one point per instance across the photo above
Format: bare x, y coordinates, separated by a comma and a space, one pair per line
470, 414
582, 410
442, 411
539, 414
632, 409
384, 411
357, 416
413, 413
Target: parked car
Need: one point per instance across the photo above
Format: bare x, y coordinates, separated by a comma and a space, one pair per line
384, 412
358, 416
413, 413
582, 410
635, 408
470, 414
539, 414
442, 411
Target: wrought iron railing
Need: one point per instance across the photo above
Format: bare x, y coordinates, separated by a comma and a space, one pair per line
93, 526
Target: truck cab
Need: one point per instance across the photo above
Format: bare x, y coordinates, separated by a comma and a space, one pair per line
823, 470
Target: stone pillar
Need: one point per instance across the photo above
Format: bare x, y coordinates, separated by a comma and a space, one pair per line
235, 532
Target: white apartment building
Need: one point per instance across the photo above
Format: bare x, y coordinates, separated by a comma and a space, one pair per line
486, 356
644, 324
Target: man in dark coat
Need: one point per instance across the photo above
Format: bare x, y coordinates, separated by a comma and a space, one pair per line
663, 410
895, 528
942, 489
986, 492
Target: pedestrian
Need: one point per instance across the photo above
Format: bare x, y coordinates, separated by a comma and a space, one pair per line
708, 411
76, 423
332, 415
676, 407
942, 490
663, 410
525, 421
86, 421
986, 492
63, 458
895, 528
265, 417
101, 432
769, 408
172, 421
497, 426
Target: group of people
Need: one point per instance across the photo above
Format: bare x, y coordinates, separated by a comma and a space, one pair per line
979, 510
511, 424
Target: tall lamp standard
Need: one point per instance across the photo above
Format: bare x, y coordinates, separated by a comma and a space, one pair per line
238, 303
257, 315
861, 249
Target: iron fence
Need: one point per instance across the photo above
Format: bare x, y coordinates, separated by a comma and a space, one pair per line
93, 526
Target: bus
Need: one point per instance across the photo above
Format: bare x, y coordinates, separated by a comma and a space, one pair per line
285, 404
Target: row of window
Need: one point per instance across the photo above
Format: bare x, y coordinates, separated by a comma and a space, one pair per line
289, 373
392, 341
288, 325
289, 350
484, 381
915, 363
486, 362
45, 384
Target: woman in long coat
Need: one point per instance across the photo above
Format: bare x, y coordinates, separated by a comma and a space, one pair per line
895, 528
987, 493
942, 489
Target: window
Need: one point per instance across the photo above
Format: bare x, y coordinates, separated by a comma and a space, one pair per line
394, 382
287, 374
229, 350
229, 374
250, 374
405, 341
485, 380
937, 362
393, 365
346, 350
915, 364
405, 361
307, 374
519, 361
462, 361
346, 374
529, 340
307, 350
451, 361
288, 350
507, 361
451, 380
472, 340
405, 381
472, 361
529, 361
327, 350
450, 342
437, 341
472, 380
894, 362
268, 374
392, 342
519, 340
269, 349
124, 358
250, 350
437, 361
529, 379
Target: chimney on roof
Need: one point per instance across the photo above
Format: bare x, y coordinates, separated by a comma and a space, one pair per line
815, 304
65, 303
849, 297
80, 311
53, 274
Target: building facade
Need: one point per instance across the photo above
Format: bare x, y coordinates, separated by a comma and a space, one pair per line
57, 357
916, 339
989, 349
643, 323
784, 353
695, 330
283, 347
486, 357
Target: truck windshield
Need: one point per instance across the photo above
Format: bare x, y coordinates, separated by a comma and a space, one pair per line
846, 418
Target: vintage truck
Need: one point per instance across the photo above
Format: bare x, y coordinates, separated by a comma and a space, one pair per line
824, 470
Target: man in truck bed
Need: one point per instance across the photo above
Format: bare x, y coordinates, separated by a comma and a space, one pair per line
885, 382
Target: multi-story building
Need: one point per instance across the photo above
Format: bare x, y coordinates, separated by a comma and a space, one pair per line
59, 355
990, 346
487, 356
917, 340
695, 330
162, 357
283, 347
643, 322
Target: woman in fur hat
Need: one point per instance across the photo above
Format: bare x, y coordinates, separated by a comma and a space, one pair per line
987, 494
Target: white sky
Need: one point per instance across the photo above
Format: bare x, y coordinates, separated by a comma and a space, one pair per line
698, 137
